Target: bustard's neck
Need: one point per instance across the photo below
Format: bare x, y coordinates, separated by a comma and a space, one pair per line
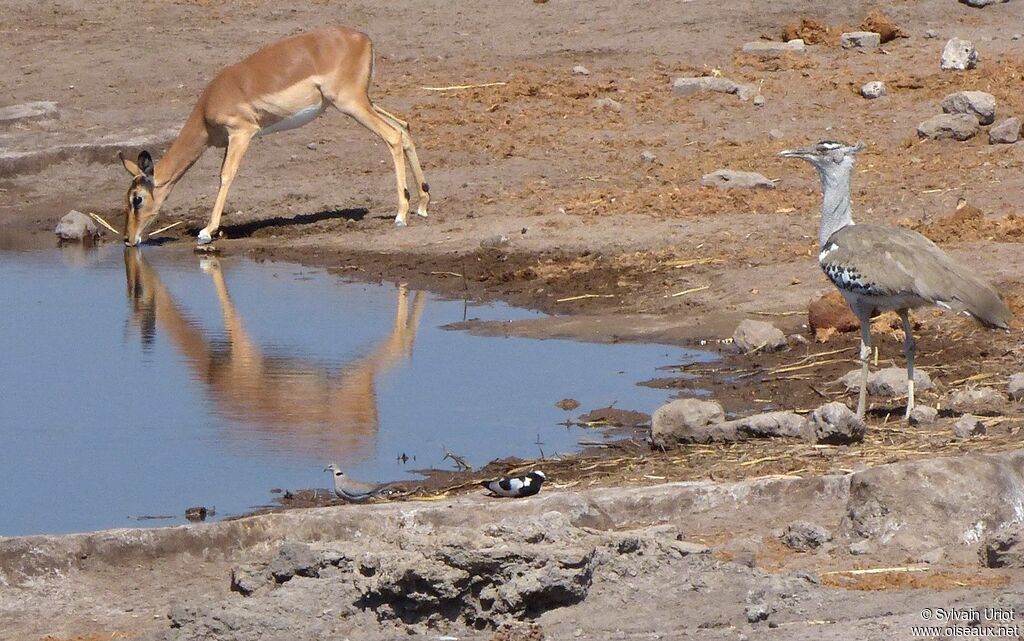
835, 206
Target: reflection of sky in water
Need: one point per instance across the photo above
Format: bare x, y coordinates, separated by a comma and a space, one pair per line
95, 426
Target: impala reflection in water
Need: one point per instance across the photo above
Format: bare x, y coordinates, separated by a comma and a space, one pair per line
321, 410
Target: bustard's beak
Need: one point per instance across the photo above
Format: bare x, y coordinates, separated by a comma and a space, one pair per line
800, 152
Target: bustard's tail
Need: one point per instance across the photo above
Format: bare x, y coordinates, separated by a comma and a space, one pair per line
972, 296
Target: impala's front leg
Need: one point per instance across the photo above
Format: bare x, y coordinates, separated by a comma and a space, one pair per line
238, 143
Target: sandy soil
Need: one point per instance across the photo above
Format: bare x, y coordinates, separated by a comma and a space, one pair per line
534, 160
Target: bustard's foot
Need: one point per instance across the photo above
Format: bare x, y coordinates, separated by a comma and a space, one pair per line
204, 238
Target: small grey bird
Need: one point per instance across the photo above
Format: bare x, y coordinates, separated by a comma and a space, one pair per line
882, 268
517, 486
352, 490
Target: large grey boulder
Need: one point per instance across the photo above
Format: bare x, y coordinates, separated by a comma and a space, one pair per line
949, 126
690, 86
889, 382
1005, 133
918, 505
979, 104
676, 421
958, 55
834, 424
733, 179
753, 335
767, 425
76, 226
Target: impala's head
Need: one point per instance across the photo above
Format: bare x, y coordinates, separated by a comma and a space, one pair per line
141, 207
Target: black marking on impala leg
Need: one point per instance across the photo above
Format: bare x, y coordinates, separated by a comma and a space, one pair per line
425, 187
405, 192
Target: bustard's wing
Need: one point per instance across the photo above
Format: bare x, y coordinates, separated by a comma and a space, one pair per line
878, 260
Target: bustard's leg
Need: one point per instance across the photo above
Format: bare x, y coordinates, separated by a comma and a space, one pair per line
909, 347
865, 358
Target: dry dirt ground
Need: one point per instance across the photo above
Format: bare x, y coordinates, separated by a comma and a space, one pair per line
642, 251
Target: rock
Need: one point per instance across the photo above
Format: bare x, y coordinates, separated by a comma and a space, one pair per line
931, 34
757, 612
498, 240
953, 502
771, 49
834, 424
883, 25
27, 111
981, 3
923, 415
732, 179
979, 104
873, 89
958, 55
690, 86
956, 126
294, 559
1005, 133
864, 546
860, 40
968, 426
580, 70
567, 404
1015, 388
1003, 548
614, 417
804, 536
976, 400
830, 314
646, 156
76, 226
889, 382
776, 134
608, 103
759, 100
247, 579
767, 425
753, 335
673, 422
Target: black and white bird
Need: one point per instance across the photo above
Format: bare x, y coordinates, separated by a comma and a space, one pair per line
352, 490
883, 268
516, 486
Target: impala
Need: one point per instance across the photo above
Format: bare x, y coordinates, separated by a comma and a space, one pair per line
315, 407
282, 86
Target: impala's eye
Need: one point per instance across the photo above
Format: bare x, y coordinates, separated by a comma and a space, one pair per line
136, 201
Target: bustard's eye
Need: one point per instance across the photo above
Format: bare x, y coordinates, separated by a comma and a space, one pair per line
136, 201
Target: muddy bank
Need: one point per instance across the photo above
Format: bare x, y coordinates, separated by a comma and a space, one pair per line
565, 561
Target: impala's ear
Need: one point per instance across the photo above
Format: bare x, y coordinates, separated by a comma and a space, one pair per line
129, 166
146, 163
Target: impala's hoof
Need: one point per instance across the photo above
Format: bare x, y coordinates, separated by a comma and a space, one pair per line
400, 223
204, 238
422, 213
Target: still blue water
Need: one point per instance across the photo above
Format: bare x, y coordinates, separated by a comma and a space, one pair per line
142, 383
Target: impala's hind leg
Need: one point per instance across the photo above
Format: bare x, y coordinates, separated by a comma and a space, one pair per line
410, 154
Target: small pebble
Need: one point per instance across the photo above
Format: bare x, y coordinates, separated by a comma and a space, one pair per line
646, 156
580, 70
759, 100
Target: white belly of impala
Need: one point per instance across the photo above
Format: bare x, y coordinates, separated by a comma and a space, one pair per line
297, 119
